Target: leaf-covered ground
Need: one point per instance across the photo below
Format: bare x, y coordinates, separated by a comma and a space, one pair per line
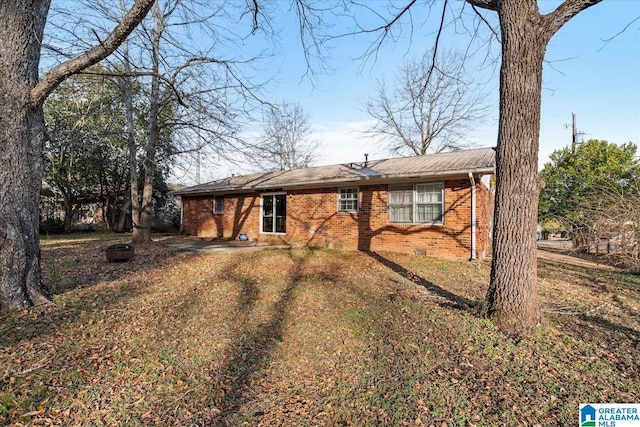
308, 337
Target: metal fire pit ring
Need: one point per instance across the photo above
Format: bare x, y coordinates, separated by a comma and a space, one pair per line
120, 252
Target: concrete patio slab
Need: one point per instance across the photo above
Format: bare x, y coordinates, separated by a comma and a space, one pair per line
223, 246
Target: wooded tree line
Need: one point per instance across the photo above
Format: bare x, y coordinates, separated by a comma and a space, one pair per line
86, 151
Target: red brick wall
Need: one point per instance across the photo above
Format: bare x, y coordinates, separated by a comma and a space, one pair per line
241, 215
313, 219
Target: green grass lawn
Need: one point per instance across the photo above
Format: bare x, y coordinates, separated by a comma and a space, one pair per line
308, 337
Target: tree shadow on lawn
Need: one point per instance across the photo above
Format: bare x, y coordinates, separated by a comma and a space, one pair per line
594, 328
589, 277
609, 324
605, 342
50, 340
254, 344
605, 285
120, 280
74, 265
249, 355
452, 300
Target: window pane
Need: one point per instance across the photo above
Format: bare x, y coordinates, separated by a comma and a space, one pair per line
348, 193
401, 197
348, 199
348, 205
267, 206
267, 214
425, 201
429, 213
218, 204
281, 213
267, 224
401, 203
428, 193
400, 213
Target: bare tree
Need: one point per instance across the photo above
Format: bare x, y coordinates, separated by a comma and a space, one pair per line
22, 94
191, 89
286, 142
430, 107
198, 92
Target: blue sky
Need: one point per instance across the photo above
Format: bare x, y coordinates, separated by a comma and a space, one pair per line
597, 80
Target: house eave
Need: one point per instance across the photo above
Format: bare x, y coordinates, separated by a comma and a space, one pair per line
361, 180
384, 179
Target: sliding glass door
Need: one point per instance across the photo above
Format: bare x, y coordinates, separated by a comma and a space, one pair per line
274, 213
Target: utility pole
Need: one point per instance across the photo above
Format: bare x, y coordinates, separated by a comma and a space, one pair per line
574, 133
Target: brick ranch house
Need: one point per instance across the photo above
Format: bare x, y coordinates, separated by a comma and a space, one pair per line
439, 204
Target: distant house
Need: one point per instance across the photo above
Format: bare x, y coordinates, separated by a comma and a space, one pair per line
439, 204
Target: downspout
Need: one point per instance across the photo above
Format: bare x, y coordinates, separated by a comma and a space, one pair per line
181, 216
473, 216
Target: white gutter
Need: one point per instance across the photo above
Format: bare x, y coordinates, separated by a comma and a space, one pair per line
473, 216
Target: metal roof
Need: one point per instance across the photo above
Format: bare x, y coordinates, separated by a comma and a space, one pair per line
480, 160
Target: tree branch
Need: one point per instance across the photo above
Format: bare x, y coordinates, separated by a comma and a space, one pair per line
59, 73
563, 13
606, 41
485, 4
483, 19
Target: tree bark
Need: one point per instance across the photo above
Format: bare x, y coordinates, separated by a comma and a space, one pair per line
134, 200
142, 233
68, 213
122, 216
511, 298
21, 142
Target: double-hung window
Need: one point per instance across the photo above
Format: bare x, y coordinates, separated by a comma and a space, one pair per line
218, 204
416, 203
348, 199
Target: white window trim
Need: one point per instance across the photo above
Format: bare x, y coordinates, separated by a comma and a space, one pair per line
415, 204
357, 199
214, 205
262, 195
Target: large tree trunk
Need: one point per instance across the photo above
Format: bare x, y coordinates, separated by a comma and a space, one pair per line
134, 200
142, 233
21, 139
70, 209
122, 217
511, 299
